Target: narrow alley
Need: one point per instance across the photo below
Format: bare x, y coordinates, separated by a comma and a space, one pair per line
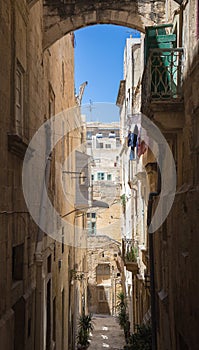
107, 333
99, 174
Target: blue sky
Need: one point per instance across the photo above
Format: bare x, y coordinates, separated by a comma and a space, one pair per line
99, 60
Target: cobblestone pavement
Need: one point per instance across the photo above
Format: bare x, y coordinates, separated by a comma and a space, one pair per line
107, 334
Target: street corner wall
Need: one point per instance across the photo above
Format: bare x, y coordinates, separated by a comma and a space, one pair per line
184, 256
176, 262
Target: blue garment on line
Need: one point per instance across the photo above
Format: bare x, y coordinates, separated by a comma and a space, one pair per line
132, 139
132, 154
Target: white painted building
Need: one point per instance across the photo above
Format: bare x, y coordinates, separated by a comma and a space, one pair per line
133, 178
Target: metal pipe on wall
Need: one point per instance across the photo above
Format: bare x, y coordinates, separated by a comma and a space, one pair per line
151, 261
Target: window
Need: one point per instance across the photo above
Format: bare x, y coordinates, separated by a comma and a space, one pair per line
19, 99
103, 295
63, 313
82, 137
93, 228
103, 273
83, 221
109, 177
100, 176
29, 327
62, 249
92, 177
103, 269
17, 262
54, 319
89, 135
92, 215
48, 316
82, 178
108, 145
100, 145
63, 78
112, 135
50, 136
49, 263
54, 250
17, 138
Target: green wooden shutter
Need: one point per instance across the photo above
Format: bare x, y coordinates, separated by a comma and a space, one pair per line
163, 65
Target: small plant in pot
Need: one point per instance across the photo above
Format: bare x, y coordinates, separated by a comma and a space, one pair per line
141, 339
132, 255
84, 328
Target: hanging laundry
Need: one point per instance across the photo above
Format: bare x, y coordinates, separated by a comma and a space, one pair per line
132, 137
135, 132
132, 142
141, 145
132, 154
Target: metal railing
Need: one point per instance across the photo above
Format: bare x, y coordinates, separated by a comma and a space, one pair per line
162, 79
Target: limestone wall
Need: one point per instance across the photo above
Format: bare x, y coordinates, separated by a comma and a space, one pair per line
102, 293
38, 295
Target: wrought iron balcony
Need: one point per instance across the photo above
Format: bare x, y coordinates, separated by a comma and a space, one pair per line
162, 79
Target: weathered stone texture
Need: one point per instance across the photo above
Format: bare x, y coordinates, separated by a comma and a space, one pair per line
62, 18
176, 261
24, 32
175, 244
23, 302
104, 250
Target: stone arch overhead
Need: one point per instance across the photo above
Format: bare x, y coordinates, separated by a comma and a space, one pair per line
64, 16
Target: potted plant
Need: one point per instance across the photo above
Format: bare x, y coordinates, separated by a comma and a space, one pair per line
141, 339
131, 256
123, 316
130, 260
84, 328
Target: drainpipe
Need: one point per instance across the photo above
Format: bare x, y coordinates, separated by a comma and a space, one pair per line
40, 289
151, 261
40, 233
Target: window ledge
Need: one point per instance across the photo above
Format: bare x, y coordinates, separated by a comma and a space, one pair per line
17, 146
104, 284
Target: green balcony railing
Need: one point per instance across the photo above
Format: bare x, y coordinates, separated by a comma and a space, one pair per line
162, 80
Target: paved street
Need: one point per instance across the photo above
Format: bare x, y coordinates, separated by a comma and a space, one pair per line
107, 334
